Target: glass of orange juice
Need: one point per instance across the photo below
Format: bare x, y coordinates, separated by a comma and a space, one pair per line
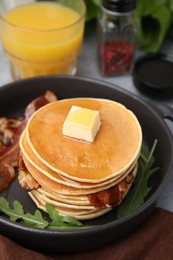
42, 37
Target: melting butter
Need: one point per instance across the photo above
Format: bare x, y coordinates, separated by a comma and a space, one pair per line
82, 123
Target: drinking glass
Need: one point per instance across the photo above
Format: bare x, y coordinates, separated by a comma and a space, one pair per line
42, 37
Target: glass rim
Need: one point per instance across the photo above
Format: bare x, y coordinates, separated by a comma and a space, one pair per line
82, 15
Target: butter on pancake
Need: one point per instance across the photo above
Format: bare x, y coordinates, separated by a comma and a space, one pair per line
117, 144
82, 123
82, 179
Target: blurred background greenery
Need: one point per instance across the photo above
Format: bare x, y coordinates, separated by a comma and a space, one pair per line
154, 19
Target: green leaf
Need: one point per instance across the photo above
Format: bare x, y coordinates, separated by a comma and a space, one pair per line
145, 7
13, 214
72, 221
17, 213
59, 222
92, 9
96, 2
35, 220
170, 4
140, 188
53, 214
153, 20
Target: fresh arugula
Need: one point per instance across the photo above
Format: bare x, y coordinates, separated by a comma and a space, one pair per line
16, 213
62, 222
134, 200
140, 188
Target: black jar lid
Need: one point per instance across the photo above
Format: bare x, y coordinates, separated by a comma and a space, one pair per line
120, 6
154, 72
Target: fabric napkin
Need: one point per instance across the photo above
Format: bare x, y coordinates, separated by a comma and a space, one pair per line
152, 240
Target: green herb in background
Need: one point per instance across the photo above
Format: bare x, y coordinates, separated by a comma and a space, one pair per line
92, 9
153, 19
140, 189
170, 6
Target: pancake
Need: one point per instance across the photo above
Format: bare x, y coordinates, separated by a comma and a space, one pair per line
81, 206
78, 178
46, 182
80, 215
64, 185
42, 168
116, 146
79, 210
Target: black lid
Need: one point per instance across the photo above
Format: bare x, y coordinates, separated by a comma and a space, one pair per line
154, 72
120, 6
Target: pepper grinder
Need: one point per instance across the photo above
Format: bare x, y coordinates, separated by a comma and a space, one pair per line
117, 37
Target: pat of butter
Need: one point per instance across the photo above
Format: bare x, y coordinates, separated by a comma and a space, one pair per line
82, 123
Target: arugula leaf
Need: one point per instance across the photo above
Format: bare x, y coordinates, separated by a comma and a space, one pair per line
5, 208
140, 189
17, 214
65, 222
35, 220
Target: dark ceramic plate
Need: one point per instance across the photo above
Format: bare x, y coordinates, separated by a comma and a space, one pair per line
13, 99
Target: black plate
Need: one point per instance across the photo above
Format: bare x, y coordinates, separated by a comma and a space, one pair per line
13, 99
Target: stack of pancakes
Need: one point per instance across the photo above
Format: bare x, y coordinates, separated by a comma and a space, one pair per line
81, 179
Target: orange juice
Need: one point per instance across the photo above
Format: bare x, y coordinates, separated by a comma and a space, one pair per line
42, 38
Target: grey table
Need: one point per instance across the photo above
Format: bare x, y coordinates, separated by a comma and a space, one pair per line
88, 67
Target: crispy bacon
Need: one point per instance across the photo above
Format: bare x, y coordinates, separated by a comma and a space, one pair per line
112, 197
109, 198
10, 128
39, 102
26, 181
10, 132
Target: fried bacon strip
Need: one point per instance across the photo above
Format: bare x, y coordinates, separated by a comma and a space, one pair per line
112, 197
26, 180
10, 131
39, 102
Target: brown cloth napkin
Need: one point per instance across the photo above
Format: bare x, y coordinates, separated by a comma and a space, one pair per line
152, 240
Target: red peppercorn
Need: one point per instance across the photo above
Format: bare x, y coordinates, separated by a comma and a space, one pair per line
117, 35
116, 57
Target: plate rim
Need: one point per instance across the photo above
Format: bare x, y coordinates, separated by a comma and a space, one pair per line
116, 222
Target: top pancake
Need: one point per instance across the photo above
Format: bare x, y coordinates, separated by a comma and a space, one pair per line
115, 148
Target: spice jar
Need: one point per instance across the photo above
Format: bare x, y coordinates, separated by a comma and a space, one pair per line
117, 35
